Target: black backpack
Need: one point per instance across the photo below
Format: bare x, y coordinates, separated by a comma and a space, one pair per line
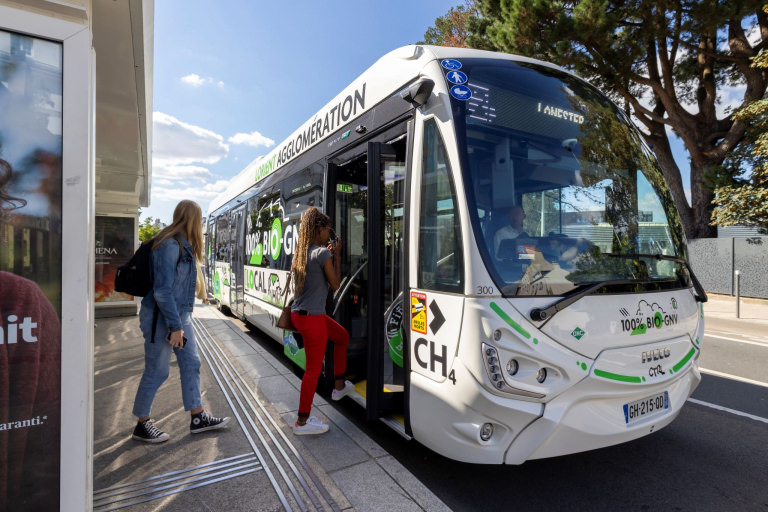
133, 277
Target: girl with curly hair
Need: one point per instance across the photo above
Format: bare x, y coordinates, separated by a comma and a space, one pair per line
315, 268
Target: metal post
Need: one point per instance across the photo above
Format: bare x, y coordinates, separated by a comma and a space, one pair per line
736, 272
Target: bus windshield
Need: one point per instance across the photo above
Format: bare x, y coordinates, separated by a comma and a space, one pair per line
559, 183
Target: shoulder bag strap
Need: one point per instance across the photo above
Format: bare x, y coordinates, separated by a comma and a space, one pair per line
287, 287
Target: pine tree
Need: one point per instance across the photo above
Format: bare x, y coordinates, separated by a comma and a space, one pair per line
667, 63
746, 201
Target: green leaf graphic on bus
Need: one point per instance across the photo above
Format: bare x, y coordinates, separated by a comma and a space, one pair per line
216, 285
258, 253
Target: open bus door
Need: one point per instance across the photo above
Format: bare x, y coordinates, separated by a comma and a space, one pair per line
367, 191
210, 258
237, 241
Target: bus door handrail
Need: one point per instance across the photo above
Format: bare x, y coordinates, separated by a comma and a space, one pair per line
345, 285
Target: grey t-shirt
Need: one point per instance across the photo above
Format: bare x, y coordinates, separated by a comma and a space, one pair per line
315, 293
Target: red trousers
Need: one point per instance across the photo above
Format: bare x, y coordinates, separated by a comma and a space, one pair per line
316, 331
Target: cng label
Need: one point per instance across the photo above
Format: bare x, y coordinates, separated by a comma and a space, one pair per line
430, 355
419, 312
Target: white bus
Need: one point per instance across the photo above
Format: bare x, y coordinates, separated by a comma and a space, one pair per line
583, 331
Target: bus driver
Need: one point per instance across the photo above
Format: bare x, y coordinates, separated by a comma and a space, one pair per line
514, 229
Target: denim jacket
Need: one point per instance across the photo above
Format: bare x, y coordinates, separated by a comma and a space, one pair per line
173, 285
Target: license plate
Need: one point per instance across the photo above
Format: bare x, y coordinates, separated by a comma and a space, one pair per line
646, 407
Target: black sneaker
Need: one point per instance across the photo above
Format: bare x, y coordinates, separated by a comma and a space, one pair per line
204, 421
147, 431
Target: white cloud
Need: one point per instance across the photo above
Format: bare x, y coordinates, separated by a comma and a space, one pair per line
181, 172
198, 194
196, 80
178, 143
193, 80
254, 139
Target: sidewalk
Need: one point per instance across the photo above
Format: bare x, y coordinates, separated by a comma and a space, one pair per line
720, 313
256, 463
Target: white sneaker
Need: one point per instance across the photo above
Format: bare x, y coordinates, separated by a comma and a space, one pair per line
339, 394
312, 426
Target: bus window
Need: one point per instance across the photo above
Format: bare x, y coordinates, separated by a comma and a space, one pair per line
440, 256
222, 239
274, 218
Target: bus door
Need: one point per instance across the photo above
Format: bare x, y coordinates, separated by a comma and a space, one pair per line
221, 269
237, 252
210, 256
368, 196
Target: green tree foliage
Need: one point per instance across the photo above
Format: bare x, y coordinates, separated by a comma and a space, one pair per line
746, 201
451, 29
667, 63
147, 230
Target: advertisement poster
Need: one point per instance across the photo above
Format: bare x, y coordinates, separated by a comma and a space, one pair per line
114, 246
30, 271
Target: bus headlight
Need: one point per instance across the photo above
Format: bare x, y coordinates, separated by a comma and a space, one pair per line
493, 369
541, 375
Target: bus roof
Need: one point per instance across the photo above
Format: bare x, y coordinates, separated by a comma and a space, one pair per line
389, 74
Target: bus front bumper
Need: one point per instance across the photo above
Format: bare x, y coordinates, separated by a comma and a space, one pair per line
592, 415
587, 416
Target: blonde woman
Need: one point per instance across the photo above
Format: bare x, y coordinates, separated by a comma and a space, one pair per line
315, 268
175, 252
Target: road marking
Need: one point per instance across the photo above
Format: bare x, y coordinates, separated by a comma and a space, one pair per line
732, 411
733, 377
739, 334
764, 345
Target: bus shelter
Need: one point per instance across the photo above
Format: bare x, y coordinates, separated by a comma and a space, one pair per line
75, 132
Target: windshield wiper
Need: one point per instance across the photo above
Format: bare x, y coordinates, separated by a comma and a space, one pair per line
545, 314
701, 295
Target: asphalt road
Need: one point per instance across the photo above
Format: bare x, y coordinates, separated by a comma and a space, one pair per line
713, 457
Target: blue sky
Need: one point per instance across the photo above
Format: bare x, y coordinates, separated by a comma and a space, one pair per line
257, 69
235, 77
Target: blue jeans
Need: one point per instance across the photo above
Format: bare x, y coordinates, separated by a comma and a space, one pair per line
157, 361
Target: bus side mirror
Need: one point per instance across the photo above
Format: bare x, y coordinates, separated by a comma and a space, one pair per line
418, 93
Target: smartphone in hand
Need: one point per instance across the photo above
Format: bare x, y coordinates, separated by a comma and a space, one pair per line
183, 340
